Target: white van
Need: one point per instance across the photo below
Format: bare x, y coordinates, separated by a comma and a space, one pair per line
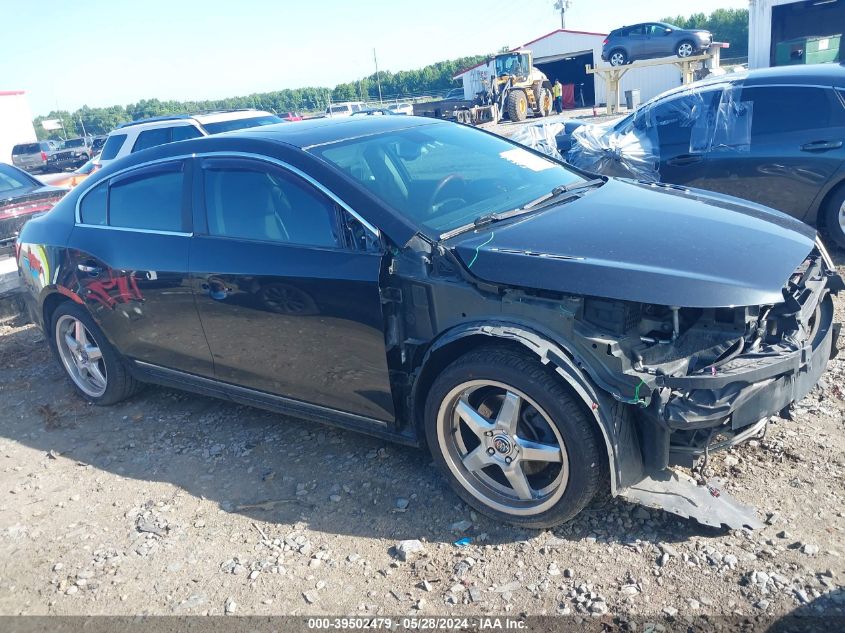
344, 109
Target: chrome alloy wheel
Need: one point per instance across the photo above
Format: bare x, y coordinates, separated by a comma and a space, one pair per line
81, 356
617, 59
502, 447
685, 50
842, 217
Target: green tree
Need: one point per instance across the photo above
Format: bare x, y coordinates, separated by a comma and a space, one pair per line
727, 25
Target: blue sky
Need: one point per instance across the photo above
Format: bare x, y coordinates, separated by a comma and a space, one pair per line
107, 52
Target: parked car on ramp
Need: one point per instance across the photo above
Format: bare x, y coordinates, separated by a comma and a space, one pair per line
433, 284
653, 39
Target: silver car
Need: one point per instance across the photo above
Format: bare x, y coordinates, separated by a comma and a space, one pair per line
33, 157
653, 39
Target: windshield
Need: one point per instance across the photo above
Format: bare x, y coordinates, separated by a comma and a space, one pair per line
240, 124
513, 64
443, 176
74, 142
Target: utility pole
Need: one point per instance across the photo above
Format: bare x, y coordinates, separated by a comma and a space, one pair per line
563, 6
82, 123
378, 79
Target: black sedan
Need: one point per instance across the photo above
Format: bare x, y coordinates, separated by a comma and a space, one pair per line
775, 136
548, 334
22, 197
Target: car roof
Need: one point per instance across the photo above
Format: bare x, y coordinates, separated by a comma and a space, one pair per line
826, 74
810, 75
313, 132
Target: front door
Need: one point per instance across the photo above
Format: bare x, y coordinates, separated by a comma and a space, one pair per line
289, 304
129, 263
681, 126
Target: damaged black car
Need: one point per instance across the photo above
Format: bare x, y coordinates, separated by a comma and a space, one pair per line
547, 333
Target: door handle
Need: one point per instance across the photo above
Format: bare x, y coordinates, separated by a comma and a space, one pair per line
821, 146
94, 271
684, 160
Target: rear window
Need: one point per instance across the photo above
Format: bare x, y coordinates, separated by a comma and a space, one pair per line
152, 138
94, 205
339, 109
240, 124
27, 148
774, 109
149, 201
112, 146
75, 142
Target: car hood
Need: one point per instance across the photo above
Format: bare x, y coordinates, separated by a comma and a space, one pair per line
647, 243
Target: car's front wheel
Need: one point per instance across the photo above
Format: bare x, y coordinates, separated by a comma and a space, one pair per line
685, 49
92, 364
511, 438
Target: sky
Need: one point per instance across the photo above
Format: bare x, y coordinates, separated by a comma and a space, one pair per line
99, 53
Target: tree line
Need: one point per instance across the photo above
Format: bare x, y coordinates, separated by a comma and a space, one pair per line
432, 80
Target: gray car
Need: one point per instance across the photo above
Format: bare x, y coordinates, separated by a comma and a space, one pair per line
34, 156
653, 39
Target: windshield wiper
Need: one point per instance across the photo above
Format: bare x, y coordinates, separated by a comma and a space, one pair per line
534, 205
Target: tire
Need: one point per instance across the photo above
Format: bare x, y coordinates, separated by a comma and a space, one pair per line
685, 49
106, 380
517, 106
542, 490
617, 57
834, 217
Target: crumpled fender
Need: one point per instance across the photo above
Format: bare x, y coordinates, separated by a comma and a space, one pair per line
614, 419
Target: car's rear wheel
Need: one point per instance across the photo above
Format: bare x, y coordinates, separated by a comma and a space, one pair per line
94, 367
685, 49
618, 58
513, 441
834, 217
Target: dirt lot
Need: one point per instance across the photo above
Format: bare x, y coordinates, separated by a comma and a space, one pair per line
179, 504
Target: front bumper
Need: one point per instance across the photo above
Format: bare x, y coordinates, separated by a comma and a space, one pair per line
764, 380
753, 386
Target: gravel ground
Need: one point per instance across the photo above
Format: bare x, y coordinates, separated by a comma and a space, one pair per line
173, 503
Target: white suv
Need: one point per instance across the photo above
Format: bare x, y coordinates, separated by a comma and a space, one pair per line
145, 133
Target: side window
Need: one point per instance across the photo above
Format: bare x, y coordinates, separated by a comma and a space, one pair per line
684, 122
775, 109
148, 200
112, 146
184, 132
151, 138
254, 202
94, 205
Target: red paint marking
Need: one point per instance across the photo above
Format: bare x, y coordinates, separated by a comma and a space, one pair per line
70, 293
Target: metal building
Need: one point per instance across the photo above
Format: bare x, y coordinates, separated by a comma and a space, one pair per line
563, 54
773, 21
15, 122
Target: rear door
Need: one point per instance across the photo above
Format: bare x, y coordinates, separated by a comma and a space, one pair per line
797, 143
129, 263
636, 41
287, 286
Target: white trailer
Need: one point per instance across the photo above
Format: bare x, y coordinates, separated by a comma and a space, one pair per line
15, 122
